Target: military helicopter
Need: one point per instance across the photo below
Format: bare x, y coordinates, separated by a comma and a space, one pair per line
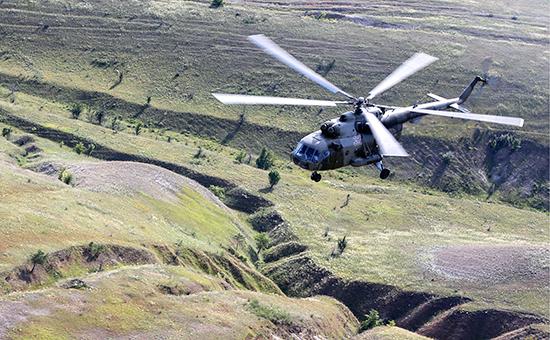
368, 133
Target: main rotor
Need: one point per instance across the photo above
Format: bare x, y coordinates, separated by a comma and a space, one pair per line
385, 140
387, 144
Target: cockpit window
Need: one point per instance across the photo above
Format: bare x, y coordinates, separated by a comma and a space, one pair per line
310, 154
300, 149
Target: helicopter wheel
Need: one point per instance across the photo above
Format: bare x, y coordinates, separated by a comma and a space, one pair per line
384, 173
315, 176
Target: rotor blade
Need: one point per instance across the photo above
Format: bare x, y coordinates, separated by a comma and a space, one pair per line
387, 143
473, 116
234, 99
284, 57
414, 64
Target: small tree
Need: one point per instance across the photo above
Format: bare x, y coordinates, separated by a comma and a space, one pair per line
262, 240
100, 116
216, 4
79, 148
274, 178
342, 244
218, 191
65, 176
6, 132
137, 128
76, 110
372, 320
38, 258
265, 160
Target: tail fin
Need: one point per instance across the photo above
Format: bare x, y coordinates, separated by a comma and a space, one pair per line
468, 90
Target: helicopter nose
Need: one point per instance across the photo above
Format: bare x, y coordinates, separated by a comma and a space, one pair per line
296, 160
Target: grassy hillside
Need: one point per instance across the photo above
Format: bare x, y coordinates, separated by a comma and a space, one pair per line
164, 51
156, 62
140, 302
161, 264
28, 215
397, 231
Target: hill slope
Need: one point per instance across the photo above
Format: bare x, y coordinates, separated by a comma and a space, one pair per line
131, 249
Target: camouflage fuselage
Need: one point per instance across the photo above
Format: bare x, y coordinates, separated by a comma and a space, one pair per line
347, 140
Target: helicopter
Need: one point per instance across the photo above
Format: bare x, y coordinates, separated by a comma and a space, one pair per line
369, 132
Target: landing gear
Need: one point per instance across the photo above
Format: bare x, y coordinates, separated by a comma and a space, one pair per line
315, 176
384, 173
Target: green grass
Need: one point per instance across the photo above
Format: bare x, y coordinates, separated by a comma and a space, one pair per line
44, 213
128, 301
390, 226
273, 314
222, 60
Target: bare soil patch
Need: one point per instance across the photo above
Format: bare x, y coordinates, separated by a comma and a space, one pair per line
492, 264
128, 178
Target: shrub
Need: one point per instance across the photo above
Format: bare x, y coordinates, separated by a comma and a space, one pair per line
76, 110
94, 250
79, 148
447, 157
323, 69
240, 156
239, 240
65, 176
103, 63
115, 123
274, 178
199, 153
262, 240
216, 4
6, 132
271, 313
90, 149
137, 128
218, 191
265, 160
372, 320
38, 258
342, 244
505, 140
99, 116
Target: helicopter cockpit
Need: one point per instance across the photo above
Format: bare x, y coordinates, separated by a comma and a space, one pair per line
308, 156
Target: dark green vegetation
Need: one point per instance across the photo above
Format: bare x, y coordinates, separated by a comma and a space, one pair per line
371, 320
466, 212
274, 178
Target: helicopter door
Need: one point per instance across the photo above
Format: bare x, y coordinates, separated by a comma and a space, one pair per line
336, 158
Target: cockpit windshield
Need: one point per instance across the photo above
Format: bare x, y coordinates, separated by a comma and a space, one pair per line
309, 154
